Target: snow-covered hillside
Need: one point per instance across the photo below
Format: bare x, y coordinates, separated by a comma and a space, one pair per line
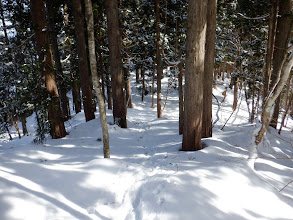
148, 177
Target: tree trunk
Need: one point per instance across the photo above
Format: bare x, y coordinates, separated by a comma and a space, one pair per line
137, 74
143, 82
270, 46
128, 88
95, 78
181, 113
3, 22
56, 56
76, 95
101, 63
235, 94
114, 38
45, 56
24, 127
271, 100
209, 69
109, 89
153, 83
195, 54
84, 73
158, 60
281, 42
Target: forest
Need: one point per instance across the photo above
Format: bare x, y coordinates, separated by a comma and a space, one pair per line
179, 94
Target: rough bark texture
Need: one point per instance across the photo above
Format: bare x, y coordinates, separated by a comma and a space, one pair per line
95, 78
270, 46
193, 96
109, 89
114, 38
76, 95
209, 69
281, 42
56, 56
45, 56
84, 73
158, 61
137, 74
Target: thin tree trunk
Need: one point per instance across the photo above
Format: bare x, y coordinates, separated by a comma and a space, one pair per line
137, 74
143, 82
153, 82
3, 22
181, 113
45, 57
209, 69
24, 127
253, 101
235, 94
114, 38
195, 54
84, 73
128, 88
95, 78
271, 100
158, 60
281, 42
76, 95
101, 63
109, 89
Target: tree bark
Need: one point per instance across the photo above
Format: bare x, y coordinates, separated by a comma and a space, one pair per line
56, 56
283, 34
209, 68
114, 38
136, 74
195, 54
181, 113
153, 82
95, 78
128, 88
270, 46
24, 127
45, 56
235, 94
271, 100
84, 73
158, 61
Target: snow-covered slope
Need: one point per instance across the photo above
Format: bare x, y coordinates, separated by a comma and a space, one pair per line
148, 177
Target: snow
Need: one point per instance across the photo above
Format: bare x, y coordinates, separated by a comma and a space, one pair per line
147, 176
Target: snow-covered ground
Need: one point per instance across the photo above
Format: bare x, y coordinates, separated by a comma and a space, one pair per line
148, 177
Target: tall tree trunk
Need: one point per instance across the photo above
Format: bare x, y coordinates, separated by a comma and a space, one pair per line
56, 56
209, 69
281, 42
181, 113
95, 78
158, 60
45, 56
109, 89
153, 82
100, 54
286, 70
143, 90
270, 46
84, 73
195, 54
114, 38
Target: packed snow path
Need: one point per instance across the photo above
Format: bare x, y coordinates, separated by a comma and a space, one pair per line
147, 176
